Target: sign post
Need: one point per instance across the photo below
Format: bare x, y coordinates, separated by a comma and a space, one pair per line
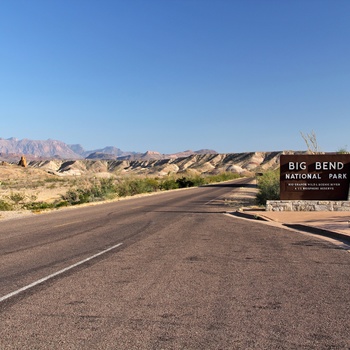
315, 177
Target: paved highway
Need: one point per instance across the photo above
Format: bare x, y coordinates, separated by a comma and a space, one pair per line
169, 271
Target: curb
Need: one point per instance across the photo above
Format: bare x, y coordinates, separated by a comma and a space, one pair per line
320, 231
300, 227
247, 216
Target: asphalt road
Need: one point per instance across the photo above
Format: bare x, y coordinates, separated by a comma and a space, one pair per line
186, 276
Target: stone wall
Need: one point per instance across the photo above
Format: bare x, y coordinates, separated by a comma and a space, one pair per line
307, 205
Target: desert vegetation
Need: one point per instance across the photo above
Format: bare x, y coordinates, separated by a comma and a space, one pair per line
27, 192
268, 186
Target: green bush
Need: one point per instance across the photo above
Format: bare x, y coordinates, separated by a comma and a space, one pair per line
106, 189
184, 182
197, 181
61, 204
71, 197
268, 186
224, 176
4, 206
133, 186
200, 180
100, 190
39, 206
168, 184
126, 187
190, 181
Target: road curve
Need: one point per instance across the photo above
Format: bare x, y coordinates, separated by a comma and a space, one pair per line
187, 276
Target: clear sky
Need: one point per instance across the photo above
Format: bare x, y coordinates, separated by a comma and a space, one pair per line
172, 75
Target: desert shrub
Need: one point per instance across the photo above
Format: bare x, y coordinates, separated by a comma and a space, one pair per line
268, 186
191, 181
124, 187
152, 184
133, 186
82, 195
4, 206
100, 190
168, 184
71, 197
16, 197
39, 206
60, 204
183, 182
224, 176
105, 189
197, 180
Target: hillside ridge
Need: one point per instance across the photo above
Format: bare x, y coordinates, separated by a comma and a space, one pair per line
242, 163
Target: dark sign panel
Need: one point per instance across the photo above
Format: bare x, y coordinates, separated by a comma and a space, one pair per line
315, 177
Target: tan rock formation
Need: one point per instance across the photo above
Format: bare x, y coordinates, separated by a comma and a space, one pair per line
23, 162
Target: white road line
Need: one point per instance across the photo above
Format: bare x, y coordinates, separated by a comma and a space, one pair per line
44, 279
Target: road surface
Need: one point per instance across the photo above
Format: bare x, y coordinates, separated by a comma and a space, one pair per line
169, 271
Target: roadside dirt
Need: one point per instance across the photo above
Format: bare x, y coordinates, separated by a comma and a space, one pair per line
242, 198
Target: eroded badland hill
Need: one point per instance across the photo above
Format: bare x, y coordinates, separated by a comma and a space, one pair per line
242, 163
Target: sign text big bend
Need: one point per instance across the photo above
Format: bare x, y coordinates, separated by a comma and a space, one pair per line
315, 177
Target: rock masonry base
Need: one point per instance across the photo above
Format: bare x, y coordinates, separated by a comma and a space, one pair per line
315, 205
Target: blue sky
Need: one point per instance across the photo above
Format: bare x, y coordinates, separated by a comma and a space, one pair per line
172, 75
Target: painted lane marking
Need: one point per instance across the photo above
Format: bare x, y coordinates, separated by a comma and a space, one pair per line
44, 279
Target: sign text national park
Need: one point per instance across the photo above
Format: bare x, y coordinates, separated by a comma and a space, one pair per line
315, 177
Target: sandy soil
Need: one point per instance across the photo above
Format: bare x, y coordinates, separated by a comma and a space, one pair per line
29, 185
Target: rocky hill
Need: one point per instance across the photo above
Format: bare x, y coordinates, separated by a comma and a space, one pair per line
242, 163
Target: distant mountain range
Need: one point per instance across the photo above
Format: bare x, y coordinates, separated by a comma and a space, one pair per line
11, 149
